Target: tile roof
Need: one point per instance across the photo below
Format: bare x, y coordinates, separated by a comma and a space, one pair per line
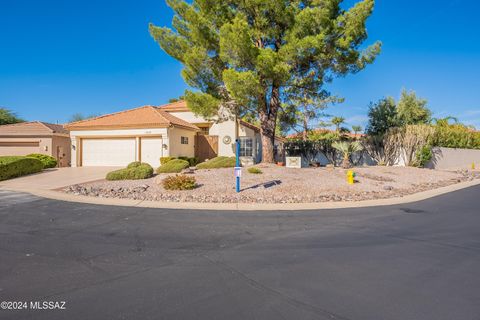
179, 106
348, 134
142, 117
33, 128
56, 128
257, 129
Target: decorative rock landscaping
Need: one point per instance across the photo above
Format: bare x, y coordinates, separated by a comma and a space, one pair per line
281, 185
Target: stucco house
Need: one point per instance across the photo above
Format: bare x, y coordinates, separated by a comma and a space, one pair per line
25, 138
150, 132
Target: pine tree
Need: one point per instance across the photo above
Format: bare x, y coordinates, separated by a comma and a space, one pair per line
8, 117
303, 113
249, 56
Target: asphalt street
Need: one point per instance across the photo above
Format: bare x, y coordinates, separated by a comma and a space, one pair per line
406, 262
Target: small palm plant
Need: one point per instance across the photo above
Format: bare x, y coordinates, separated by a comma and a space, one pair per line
347, 149
338, 121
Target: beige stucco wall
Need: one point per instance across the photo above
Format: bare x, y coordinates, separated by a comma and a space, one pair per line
222, 130
448, 158
177, 149
45, 146
76, 134
61, 150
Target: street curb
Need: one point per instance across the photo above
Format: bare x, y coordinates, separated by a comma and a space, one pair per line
56, 195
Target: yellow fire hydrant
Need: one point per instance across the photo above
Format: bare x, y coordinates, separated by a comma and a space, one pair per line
350, 177
473, 165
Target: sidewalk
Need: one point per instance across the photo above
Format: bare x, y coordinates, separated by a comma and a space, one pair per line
56, 178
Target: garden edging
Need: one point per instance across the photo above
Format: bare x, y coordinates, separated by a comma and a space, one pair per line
56, 195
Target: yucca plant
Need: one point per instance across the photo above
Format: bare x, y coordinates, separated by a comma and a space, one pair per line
347, 149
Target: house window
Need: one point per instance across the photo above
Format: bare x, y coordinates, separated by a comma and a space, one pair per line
246, 147
184, 140
204, 130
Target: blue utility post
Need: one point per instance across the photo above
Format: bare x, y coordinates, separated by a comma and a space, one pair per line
238, 169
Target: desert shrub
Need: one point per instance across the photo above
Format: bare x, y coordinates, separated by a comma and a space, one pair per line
12, 167
179, 182
254, 170
456, 136
218, 162
415, 137
385, 148
424, 155
409, 140
136, 172
347, 149
134, 164
48, 161
318, 141
164, 160
300, 148
193, 161
173, 166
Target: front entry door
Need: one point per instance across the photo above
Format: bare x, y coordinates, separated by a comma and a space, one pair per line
206, 147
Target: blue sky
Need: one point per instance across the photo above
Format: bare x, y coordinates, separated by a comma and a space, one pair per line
60, 57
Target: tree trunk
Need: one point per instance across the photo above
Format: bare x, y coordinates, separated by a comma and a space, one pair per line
268, 119
346, 162
305, 127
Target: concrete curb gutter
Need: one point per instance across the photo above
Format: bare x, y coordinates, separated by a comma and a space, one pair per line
56, 195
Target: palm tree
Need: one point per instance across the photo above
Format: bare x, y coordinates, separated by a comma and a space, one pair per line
444, 122
338, 121
357, 129
347, 149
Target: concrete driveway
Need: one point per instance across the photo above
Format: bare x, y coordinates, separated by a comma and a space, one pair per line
418, 261
51, 179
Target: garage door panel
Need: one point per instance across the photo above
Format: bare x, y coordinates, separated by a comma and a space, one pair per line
108, 152
152, 151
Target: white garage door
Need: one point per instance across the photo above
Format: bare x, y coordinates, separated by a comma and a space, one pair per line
152, 151
108, 152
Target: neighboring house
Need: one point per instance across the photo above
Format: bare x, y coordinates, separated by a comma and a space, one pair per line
36, 137
148, 133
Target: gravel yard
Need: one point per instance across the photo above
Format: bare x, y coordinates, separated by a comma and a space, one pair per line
282, 185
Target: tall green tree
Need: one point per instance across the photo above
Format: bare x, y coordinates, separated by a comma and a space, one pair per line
79, 117
249, 56
302, 113
382, 116
413, 110
8, 117
172, 100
